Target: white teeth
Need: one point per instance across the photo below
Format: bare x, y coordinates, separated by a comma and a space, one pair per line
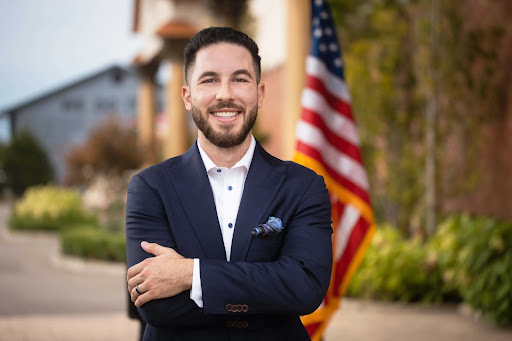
226, 113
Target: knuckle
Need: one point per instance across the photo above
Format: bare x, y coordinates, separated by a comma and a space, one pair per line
144, 273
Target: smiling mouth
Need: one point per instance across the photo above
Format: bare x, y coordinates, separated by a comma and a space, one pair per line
225, 114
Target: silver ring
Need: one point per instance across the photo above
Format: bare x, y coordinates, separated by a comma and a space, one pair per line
137, 289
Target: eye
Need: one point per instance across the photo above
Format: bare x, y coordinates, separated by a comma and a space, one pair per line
241, 80
208, 80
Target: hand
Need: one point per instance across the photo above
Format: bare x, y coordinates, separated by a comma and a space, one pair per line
165, 275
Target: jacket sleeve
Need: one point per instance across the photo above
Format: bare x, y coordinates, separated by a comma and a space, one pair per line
146, 220
295, 283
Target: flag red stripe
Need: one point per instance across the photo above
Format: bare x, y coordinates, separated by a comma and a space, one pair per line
312, 328
339, 143
350, 186
334, 102
354, 242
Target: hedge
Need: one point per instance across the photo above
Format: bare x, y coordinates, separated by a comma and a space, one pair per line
94, 243
475, 255
50, 208
469, 258
397, 269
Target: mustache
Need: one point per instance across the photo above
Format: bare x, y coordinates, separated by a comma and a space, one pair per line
224, 105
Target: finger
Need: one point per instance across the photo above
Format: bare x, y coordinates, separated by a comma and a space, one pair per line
134, 281
144, 298
153, 248
135, 270
134, 294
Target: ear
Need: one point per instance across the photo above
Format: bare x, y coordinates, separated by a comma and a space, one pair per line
261, 94
185, 95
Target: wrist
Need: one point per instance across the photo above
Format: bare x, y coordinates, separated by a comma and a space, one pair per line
189, 271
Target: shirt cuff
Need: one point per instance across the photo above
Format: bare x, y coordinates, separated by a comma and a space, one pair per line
196, 294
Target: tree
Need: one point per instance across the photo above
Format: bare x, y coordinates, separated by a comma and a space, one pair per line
110, 149
25, 163
389, 58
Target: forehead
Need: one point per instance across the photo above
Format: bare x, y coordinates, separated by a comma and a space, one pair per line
222, 58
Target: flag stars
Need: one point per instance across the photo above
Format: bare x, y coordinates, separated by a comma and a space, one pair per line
317, 32
328, 31
316, 21
318, 3
322, 47
333, 47
324, 15
338, 63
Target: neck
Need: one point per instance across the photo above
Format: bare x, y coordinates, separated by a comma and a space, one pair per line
224, 157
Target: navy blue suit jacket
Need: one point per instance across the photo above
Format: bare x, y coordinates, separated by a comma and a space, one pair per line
272, 279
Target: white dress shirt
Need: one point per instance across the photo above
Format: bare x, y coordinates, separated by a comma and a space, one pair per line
227, 187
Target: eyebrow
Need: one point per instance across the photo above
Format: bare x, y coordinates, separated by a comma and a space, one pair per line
242, 72
215, 74
207, 74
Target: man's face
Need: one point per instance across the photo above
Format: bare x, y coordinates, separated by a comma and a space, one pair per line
223, 94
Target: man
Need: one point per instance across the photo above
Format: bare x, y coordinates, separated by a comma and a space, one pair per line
212, 277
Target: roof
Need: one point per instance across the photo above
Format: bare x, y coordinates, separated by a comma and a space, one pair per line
71, 85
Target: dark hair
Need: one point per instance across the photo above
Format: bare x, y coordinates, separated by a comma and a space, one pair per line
216, 35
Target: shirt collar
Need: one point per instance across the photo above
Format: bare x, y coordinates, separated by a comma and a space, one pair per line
245, 161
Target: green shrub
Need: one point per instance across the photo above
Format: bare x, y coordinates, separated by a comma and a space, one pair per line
476, 257
25, 163
397, 269
468, 258
49, 208
94, 243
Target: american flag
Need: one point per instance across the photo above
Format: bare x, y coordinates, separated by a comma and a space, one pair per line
327, 142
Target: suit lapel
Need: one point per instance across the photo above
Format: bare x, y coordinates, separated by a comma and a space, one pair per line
261, 186
194, 191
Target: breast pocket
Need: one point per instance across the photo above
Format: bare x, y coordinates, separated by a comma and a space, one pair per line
265, 248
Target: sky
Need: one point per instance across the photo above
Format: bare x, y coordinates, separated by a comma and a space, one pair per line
46, 44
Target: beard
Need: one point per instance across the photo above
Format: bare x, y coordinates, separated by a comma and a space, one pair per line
228, 137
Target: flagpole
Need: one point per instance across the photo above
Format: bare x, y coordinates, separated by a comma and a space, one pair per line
299, 17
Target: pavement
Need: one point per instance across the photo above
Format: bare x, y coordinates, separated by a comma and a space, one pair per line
47, 296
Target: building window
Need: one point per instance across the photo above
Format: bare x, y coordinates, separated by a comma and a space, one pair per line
73, 105
105, 105
117, 76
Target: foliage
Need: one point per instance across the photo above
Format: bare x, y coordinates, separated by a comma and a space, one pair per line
25, 163
49, 208
468, 258
475, 255
94, 243
393, 69
110, 150
397, 269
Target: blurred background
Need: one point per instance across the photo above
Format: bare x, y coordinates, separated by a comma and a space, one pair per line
90, 93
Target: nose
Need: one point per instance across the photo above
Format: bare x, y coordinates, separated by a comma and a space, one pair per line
225, 92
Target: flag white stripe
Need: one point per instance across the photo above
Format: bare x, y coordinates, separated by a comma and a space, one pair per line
337, 123
339, 162
345, 227
335, 85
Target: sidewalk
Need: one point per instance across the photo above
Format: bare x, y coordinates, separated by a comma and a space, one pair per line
357, 321
45, 296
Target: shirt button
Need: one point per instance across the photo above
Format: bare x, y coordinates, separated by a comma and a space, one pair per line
230, 225
219, 170
230, 188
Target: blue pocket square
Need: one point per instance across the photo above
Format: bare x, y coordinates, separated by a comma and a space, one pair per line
272, 226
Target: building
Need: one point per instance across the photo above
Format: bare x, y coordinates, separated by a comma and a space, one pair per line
64, 117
